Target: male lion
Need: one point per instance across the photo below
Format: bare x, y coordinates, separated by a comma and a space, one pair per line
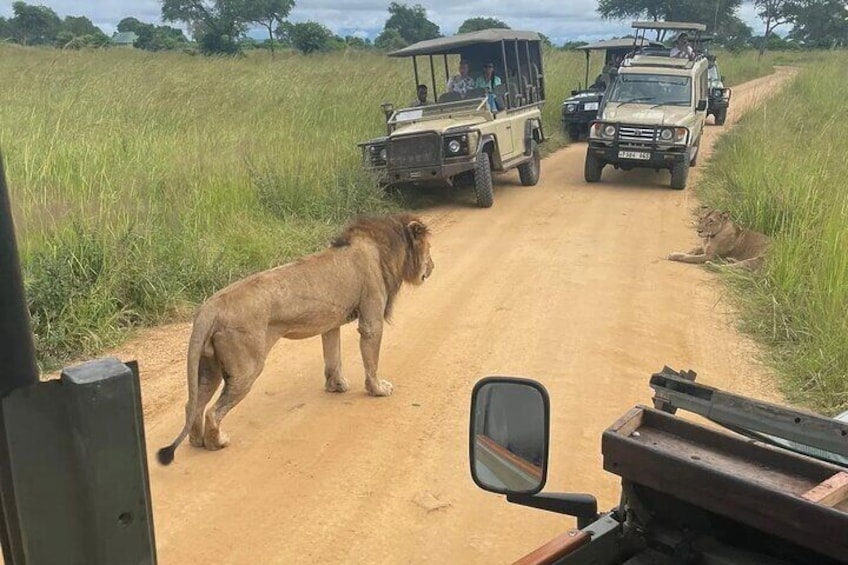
356, 278
723, 239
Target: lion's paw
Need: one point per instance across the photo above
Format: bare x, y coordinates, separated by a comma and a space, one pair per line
675, 256
216, 441
337, 385
382, 388
196, 441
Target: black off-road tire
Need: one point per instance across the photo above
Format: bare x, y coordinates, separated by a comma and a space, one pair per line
592, 168
720, 116
680, 174
529, 172
483, 181
574, 131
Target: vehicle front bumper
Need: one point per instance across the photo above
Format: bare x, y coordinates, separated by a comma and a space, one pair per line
583, 117
439, 173
658, 157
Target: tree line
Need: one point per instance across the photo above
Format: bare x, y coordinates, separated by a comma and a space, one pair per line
221, 26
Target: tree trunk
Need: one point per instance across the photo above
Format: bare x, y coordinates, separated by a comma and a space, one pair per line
271, 36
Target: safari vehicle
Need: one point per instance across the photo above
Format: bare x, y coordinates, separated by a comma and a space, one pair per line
463, 140
771, 491
653, 113
719, 94
579, 109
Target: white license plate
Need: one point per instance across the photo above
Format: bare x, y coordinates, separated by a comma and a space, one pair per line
641, 155
590, 106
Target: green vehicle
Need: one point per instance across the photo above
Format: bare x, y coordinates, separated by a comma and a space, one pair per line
581, 108
462, 139
769, 489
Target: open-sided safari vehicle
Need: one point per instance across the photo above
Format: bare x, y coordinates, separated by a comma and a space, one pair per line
653, 112
579, 109
772, 491
462, 139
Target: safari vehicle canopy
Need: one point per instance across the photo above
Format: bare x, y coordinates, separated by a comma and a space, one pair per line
579, 109
516, 55
463, 137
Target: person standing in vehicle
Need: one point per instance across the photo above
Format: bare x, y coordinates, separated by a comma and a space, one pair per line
682, 49
462, 82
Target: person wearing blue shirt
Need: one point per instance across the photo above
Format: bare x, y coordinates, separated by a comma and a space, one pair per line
489, 80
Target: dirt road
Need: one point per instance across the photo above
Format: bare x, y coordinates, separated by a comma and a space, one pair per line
564, 282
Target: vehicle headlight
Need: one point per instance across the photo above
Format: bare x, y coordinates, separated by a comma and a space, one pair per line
457, 145
680, 135
666, 135
383, 154
608, 130
571, 107
454, 146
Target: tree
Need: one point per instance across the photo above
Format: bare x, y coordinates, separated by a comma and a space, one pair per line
390, 40
308, 37
714, 15
217, 24
773, 13
818, 23
34, 25
267, 13
411, 23
477, 24
130, 24
158, 38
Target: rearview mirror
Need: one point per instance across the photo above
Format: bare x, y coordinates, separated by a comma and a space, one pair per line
702, 105
508, 439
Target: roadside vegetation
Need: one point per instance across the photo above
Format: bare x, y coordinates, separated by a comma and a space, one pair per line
782, 171
142, 181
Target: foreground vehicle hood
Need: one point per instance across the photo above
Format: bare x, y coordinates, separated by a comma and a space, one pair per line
645, 115
438, 125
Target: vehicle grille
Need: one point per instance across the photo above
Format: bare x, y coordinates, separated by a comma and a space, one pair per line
414, 151
636, 134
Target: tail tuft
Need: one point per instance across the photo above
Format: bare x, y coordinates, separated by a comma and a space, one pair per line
165, 455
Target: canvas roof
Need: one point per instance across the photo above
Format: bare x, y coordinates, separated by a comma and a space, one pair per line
450, 45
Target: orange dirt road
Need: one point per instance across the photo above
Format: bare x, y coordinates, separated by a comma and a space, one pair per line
564, 282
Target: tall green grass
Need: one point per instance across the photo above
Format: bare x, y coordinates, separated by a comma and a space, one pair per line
782, 171
142, 182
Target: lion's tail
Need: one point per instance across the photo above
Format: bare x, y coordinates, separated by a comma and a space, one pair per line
200, 334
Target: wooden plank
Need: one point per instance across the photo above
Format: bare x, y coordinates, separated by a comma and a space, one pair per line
555, 549
628, 423
830, 492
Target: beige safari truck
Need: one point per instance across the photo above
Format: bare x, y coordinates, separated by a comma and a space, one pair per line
746, 482
459, 139
654, 110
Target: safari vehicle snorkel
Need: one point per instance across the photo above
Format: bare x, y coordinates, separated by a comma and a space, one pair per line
464, 137
771, 490
581, 107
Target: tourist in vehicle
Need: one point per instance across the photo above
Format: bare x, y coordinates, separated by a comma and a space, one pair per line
421, 96
682, 49
488, 81
463, 82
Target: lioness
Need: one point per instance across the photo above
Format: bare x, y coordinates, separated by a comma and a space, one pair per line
356, 278
722, 239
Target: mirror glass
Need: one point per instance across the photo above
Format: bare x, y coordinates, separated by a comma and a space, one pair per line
509, 443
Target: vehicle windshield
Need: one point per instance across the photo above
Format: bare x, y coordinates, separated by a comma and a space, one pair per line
653, 89
713, 77
431, 110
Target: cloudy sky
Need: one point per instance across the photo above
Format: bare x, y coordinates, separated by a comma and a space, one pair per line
561, 20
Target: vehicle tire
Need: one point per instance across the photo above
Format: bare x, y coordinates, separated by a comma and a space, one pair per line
720, 116
483, 181
574, 131
697, 147
529, 172
593, 167
679, 175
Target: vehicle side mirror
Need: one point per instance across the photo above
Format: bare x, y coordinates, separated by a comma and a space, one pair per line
388, 109
702, 105
508, 438
573, 92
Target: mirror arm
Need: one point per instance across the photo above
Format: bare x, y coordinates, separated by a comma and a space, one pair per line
582, 506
